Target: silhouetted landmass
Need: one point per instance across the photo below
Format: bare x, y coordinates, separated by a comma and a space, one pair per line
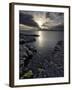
22, 41
55, 28
31, 35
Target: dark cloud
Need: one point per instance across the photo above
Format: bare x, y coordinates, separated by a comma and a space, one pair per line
48, 19
27, 19
56, 16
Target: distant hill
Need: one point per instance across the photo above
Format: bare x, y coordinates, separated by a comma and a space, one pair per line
56, 28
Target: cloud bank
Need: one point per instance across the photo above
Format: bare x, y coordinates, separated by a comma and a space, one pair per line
43, 20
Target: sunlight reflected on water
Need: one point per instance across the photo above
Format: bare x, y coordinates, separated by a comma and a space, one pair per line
40, 38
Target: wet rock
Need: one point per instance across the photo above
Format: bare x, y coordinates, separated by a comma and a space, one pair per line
24, 41
58, 53
51, 65
58, 57
30, 53
28, 74
26, 53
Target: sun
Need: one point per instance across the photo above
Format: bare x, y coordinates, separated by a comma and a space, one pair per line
39, 23
40, 19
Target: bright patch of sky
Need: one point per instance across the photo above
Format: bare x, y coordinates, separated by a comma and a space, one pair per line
45, 20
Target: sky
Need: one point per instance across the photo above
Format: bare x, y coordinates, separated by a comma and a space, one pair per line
43, 20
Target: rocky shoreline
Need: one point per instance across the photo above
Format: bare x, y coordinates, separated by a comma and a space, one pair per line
53, 66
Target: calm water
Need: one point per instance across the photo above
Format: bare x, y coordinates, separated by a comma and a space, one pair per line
47, 39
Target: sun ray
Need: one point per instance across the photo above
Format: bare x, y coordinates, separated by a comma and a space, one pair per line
40, 19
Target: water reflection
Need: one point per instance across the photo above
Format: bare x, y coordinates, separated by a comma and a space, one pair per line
40, 38
48, 38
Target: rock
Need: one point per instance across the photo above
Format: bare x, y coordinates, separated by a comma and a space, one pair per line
59, 47
28, 74
21, 62
21, 70
29, 40
30, 53
31, 48
27, 51
59, 53
58, 58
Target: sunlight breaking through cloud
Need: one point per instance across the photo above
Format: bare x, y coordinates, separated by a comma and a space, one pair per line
39, 18
42, 20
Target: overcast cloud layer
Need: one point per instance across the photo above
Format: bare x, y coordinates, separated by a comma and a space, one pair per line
44, 20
